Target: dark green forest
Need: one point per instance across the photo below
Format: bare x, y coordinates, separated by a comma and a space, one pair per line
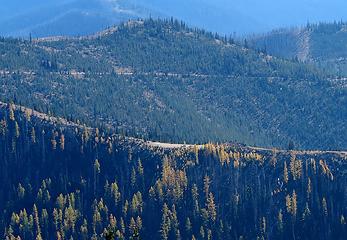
322, 44
64, 180
79, 117
162, 80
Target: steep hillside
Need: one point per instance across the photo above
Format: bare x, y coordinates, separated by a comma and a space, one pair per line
67, 181
164, 81
324, 44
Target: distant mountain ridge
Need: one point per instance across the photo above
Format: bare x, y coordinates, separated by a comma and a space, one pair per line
324, 44
83, 17
68, 18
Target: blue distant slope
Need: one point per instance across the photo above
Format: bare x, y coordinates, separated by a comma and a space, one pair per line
43, 18
70, 17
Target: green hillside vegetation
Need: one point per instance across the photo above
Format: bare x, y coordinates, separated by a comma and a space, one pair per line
63, 180
160, 80
323, 44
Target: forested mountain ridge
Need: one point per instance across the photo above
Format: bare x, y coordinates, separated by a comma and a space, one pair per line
161, 80
63, 180
323, 44
81, 17
64, 17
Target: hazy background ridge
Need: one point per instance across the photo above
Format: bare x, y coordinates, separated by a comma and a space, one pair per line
80, 17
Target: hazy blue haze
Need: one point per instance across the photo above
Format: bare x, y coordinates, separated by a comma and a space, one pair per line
18, 17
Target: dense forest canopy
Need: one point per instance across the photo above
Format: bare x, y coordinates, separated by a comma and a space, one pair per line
156, 130
161, 80
64, 180
323, 44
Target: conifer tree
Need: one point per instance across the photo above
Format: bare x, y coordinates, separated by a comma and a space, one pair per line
165, 223
20, 191
280, 221
211, 207
62, 142
37, 220
11, 113
33, 135
188, 225
96, 174
207, 183
285, 173
324, 207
